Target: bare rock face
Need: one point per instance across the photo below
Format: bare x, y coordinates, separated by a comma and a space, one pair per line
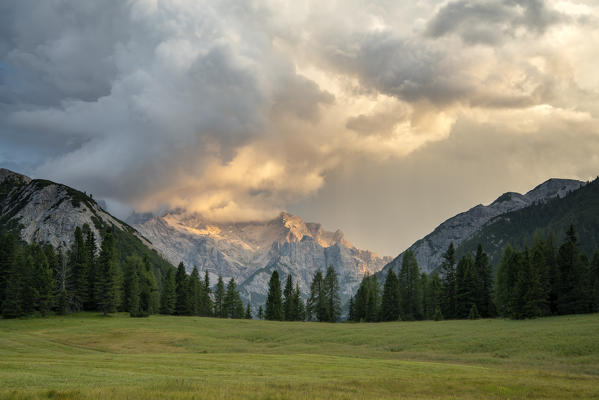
47, 212
430, 249
251, 251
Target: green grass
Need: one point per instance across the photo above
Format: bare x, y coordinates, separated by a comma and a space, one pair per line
89, 356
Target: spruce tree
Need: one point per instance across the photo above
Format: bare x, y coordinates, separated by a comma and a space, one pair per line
149, 294
484, 287
331, 292
248, 311
409, 288
168, 297
232, 304
507, 275
181, 283
390, 301
194, 292
219, 298
63, 290
8, 254
91, 247
274, 306
12, 305
28, 289
571, 298
289, 305
300, 313
473, 313
433, 296
467, 288
205, 300
108, 285
44, 281
449, 299
132, 279
317, 305
132, 268
78, 257
260, 313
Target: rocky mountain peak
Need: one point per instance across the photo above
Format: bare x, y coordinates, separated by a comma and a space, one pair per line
6, 174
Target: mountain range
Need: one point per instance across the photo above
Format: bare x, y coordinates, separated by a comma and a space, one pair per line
44, 211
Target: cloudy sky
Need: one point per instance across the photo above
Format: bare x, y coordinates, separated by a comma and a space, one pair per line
382, 118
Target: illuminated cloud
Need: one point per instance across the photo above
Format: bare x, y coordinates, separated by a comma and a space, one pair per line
239, 109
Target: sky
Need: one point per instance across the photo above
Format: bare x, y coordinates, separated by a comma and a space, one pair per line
382, 118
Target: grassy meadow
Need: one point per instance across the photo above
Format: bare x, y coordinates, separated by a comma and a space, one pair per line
87, 356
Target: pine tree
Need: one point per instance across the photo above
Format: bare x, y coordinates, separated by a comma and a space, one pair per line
8, 253
317, 308
507, 275
108, 285
300, 314
91, 247
12, 304
132, 269
473, 313
409, 288
260, 313
274, 306
484, 287
594, 282
149, 297
181, 282
351, 315
133, 290
232, 304
433, 295
205, 300
331, 292
168, 297
28, 289
63, 278
529, 301
390, 301
289, 306
248, 311
449, 299
571, 272
44, 281
219, 298
78, 257
467, 288
194, 292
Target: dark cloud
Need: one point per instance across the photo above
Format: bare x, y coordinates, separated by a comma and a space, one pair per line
492, 22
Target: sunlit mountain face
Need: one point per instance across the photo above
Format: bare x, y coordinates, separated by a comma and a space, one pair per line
360, 115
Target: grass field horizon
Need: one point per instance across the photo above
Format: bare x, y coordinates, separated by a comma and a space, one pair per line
89, 356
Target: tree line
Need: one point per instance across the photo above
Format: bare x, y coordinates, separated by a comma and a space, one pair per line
536, 281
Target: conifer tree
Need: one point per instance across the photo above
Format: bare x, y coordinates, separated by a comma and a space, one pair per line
409, 288
149, 297
63, 278
351, 316
260, 313
317, 305
300, 310
529, 295
507, 274
108, 285
274, 306
219, 298
133, 290
484, 287
181, 283
12, 306
449, 299
433, 295
232, 304
390, 301
28, 289
78, 257
248, 311
473, 313
205, 300
331, 292
91, 247
467, 288
194, 292
44, 281
168, 297
8, 253
289, 305
571, 271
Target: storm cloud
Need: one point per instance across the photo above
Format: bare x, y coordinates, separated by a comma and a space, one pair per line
239, 109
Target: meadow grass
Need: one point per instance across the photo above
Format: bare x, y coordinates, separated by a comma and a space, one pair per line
161, 357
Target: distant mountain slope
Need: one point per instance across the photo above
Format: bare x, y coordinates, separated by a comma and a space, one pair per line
42, 211
250, 251
429, 250
579, 208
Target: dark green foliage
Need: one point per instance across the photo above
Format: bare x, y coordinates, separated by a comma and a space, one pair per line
433, 292
12, 306
300, 314
132, 280
219, 298
194, 289
316, 309
8, 254
205, 302
467, 286
232, 304
438, 315
367, 302
149, 297
571, 298
78, 257
594, 283
43, 280
473, 313
168, 297
390, 301
409, 288
331, 293
181, 290
260, 313
484, 286
274, 305
63, 290
449, 299
289, 301
248, 311
90, 246
108, 282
